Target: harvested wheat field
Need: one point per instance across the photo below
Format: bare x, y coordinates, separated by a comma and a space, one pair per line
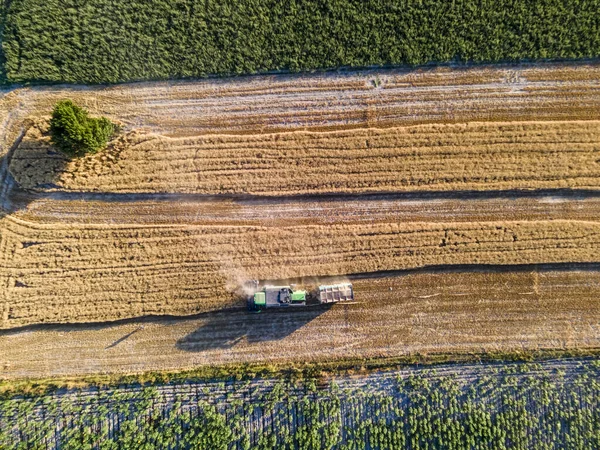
331, 101
430, 129
421, 312
214, 183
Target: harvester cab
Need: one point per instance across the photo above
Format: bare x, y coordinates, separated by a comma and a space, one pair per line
273, 296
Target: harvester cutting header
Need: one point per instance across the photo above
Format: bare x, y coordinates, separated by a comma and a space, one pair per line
285, 296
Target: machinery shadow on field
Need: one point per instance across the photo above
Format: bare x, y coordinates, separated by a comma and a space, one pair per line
224, 330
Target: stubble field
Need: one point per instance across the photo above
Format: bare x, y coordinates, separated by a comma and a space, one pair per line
449, 312
166, 220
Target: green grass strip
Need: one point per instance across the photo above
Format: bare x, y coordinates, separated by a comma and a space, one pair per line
291, 371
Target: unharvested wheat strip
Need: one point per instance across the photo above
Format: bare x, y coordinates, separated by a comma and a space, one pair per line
474, 156
127, 271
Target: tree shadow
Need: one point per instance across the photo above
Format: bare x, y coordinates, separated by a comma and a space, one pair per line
223, 330
35, 162
28, 168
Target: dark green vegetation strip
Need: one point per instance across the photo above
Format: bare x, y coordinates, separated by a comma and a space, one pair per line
3, 9
552, 405
97, 41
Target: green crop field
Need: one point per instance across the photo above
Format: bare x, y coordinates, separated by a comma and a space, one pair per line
97, 41
550, 405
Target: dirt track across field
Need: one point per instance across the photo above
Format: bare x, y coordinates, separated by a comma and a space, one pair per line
217, 182
347, 209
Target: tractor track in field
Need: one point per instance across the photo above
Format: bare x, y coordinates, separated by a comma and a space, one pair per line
87, 207
20, 196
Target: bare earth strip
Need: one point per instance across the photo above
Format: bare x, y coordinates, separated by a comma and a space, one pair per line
476, 156
443, 312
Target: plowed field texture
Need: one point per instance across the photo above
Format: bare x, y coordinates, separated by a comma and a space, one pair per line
368, 176
553, 405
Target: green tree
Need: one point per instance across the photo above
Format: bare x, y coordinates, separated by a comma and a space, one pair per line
75, 133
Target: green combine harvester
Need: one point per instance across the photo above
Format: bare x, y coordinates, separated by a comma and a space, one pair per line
286, 296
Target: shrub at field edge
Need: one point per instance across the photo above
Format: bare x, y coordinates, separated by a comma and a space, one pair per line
75, 133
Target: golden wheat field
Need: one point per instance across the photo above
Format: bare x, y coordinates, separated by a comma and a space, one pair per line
473, 156
213, 183
131, 271
457, 312
480, 128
